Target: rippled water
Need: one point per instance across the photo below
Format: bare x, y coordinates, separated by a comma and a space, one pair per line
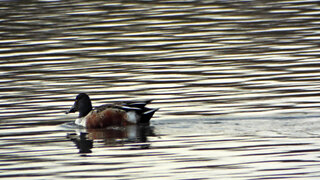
237, 84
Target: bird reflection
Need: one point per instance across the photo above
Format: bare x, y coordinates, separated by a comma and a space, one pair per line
83, 144
112, 136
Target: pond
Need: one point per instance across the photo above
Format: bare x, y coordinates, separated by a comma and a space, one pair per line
237, 84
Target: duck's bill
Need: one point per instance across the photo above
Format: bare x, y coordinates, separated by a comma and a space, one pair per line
71, 110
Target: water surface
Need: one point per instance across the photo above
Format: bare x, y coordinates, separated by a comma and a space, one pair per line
237, 84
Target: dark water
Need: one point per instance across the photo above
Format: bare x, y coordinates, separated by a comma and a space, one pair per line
237, 84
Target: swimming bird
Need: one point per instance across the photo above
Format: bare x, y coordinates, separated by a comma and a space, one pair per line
119, 114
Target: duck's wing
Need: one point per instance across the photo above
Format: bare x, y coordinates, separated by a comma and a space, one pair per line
128, 108
118, 106
137, 104
102, 107
140, 107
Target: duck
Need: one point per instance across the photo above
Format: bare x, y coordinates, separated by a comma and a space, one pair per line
118, 114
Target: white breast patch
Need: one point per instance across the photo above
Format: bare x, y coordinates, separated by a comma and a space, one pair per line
81, 122
132, 117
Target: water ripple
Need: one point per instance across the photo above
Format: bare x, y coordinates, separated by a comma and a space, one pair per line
236, 83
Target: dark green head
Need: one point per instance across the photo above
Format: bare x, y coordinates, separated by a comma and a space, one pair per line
82, 104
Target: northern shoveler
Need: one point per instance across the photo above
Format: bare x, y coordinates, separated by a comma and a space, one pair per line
119, 114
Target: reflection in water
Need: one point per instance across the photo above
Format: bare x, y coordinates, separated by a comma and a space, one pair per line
112, 136
82, 142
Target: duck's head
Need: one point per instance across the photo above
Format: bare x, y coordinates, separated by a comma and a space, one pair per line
81, 104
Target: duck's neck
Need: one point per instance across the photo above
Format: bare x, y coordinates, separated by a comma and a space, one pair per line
85, 108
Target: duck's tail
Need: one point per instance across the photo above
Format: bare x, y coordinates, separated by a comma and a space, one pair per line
147, 115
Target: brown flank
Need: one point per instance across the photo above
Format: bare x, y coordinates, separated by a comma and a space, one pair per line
107, 117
